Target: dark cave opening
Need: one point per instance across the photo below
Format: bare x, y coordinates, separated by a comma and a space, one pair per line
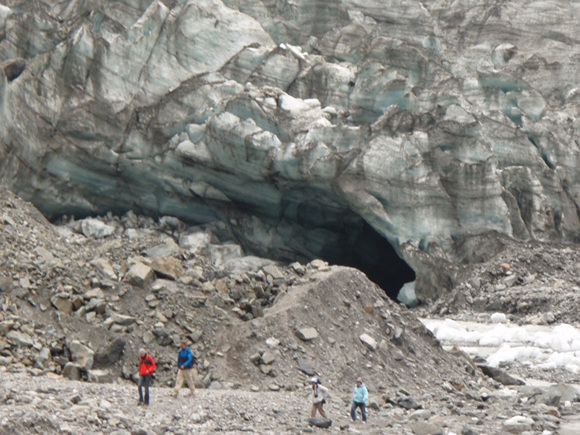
372, 254
336, 234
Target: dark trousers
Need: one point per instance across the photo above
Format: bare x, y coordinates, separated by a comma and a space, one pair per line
144, 381
363, 409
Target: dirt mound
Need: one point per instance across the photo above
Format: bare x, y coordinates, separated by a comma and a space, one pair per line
336, 324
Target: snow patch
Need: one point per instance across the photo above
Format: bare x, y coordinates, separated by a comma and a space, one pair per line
545, 347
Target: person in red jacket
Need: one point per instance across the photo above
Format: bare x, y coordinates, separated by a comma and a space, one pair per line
146, 368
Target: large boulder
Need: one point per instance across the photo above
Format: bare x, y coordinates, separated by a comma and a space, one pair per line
111, 354
140, 275
81, 355
320, 422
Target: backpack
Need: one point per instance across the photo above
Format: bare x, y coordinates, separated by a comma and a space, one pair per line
193, 359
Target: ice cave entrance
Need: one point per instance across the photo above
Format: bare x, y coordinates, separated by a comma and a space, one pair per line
372, 254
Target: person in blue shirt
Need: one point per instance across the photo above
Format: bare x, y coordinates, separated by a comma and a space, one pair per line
185, 362
360, 396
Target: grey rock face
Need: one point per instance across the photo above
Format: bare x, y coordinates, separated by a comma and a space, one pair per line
111, 354
296, 124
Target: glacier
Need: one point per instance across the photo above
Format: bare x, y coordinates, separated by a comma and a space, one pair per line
380, 134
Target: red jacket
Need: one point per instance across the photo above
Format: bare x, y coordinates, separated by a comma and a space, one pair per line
146, 365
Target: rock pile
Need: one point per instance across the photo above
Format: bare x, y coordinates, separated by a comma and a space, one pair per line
71, 293
530, 282
335, 324
78, 299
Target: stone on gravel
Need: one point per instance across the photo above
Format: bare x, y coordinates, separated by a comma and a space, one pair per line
518, 424
510, 280
426, 428
105, 269
306, 367
140, 275
421, 414
267, 370
256, 358
95, 293
62, 304
167, 249
122, 319
100, 376
268, 358
195, 242
272, 342
323, 423
307, 334
167, 267
273, 271
220, 254
298, 268
20, 338
148, 337
162, 337
369, 341
408, 403
566, 393
71, 371
500, 375
44, 355
95, 228
81, 354
5, 284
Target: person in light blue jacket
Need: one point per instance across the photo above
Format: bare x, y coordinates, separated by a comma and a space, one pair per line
360, 396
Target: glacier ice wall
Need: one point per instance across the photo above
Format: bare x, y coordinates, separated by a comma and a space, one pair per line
299, 124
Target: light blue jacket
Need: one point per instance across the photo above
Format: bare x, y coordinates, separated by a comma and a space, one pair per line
360, 394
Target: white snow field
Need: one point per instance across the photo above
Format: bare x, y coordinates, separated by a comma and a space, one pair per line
499, 342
